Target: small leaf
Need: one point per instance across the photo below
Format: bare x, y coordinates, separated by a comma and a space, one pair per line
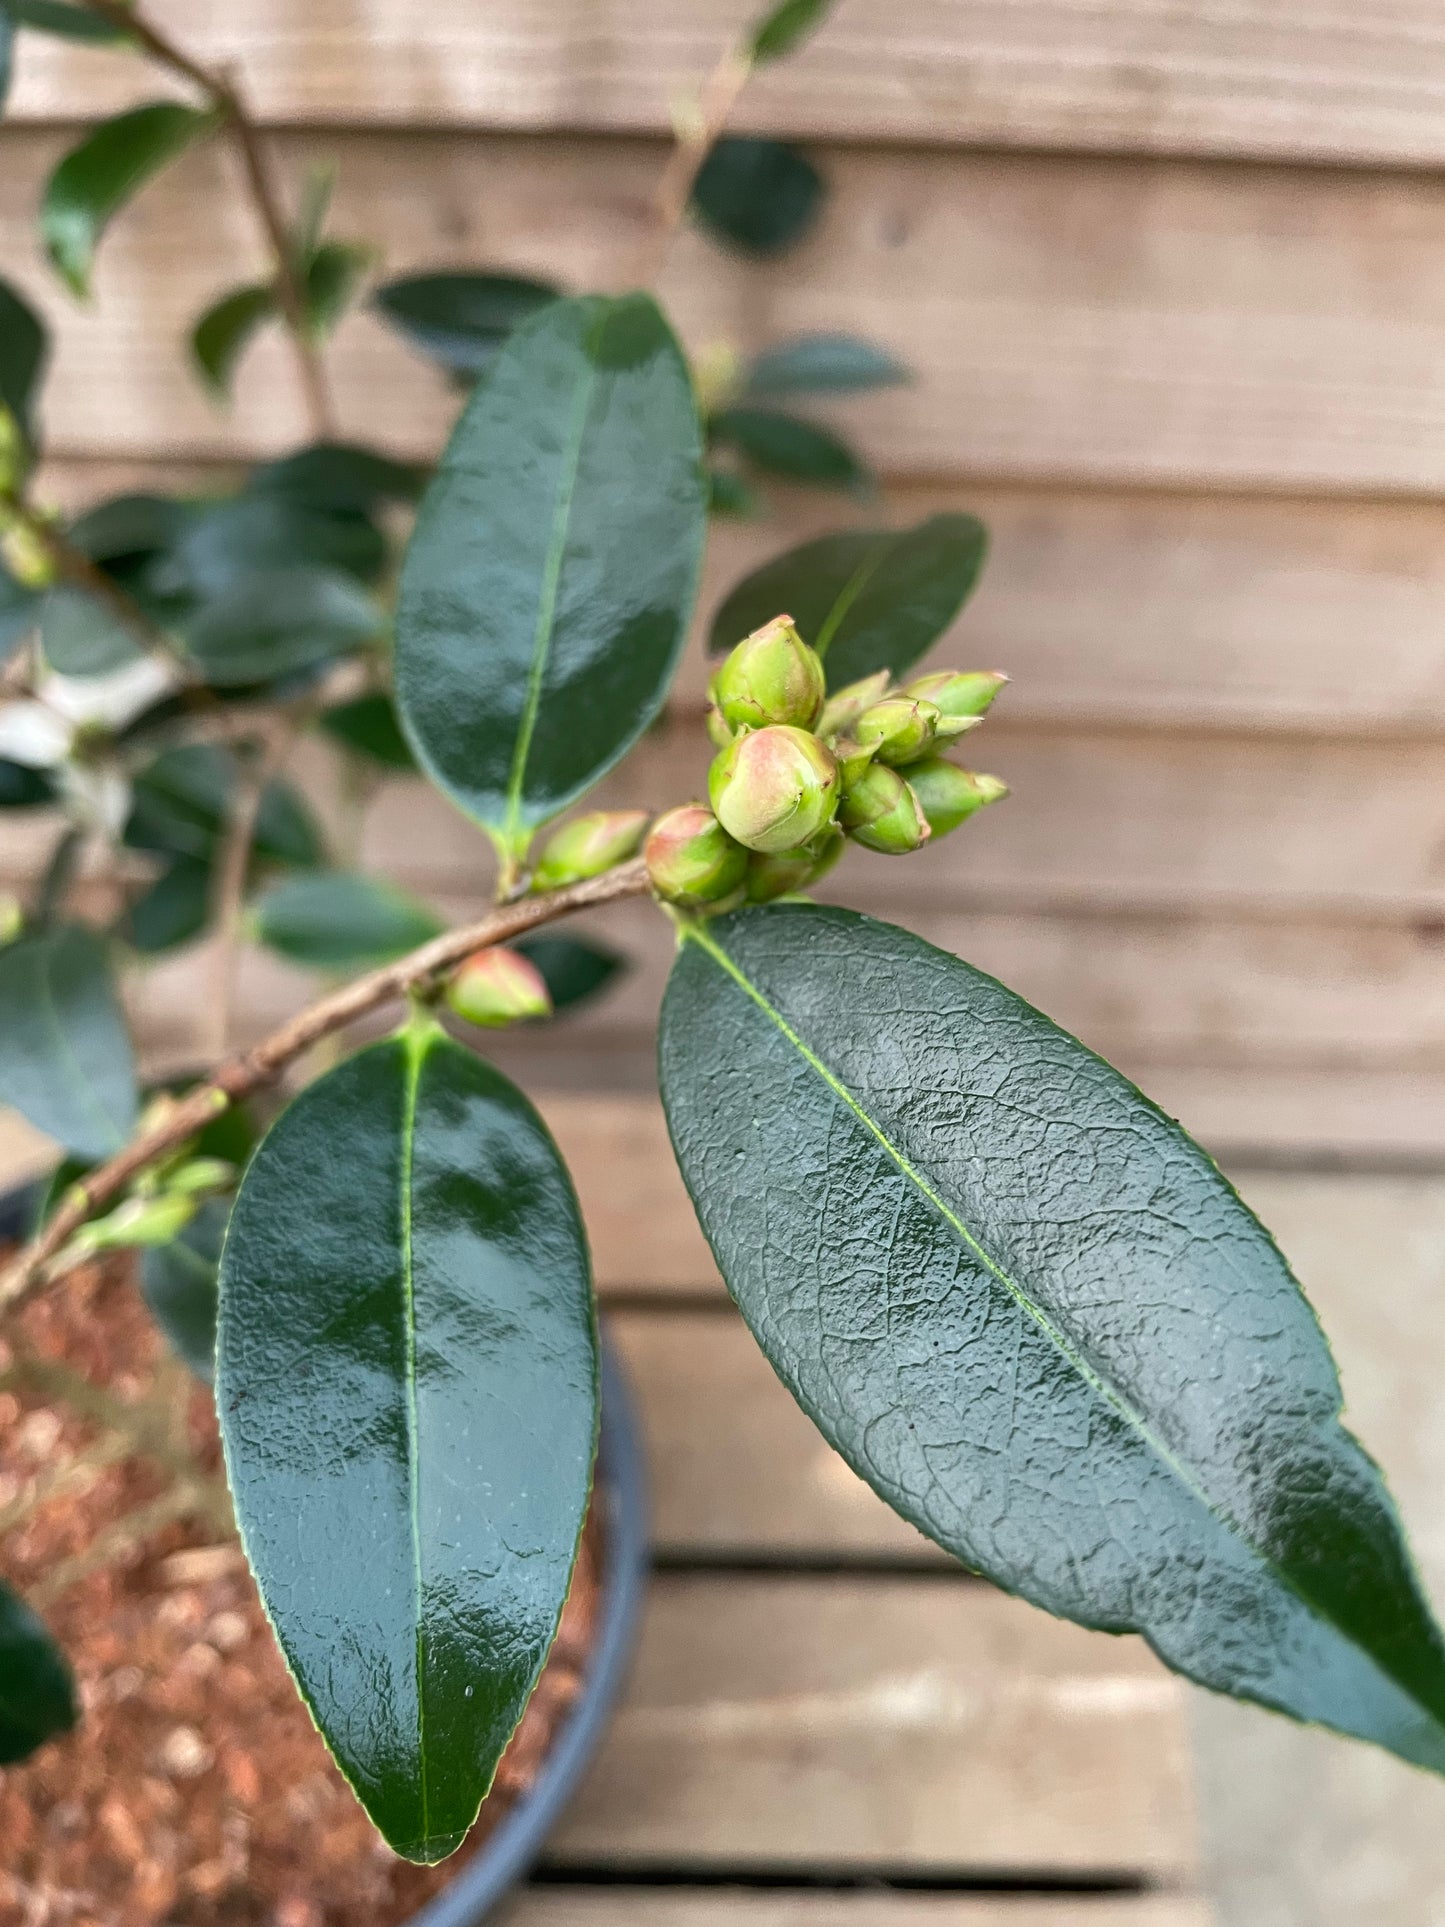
82, 637
182, 799
785, 445
780, 30
760, 196
178, 1281
23, 788
66, 22
545, 598
37, 1694
1035, 1318
824, 364
7, 54
460, 319
276, 623
225, 331
334, 273
19, 612
368, 726
97, 178
406, 1378
316, 193
342, 478
173, 910
729, 494
225, 545
573, 971
335, 920
24, 349
128, 528
874, 599
65, 1057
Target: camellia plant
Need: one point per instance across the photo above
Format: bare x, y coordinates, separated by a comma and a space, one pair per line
1014, 1296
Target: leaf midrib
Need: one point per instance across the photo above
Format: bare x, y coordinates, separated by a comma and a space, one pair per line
696, 933
416, 1046
849, 594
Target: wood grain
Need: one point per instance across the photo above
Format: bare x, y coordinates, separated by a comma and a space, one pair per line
883, 1724
677, 1907
1094, 320
1329, 80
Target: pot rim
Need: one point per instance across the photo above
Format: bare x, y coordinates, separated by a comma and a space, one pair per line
621, 1487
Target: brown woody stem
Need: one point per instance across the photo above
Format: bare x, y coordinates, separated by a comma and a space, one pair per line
693, 145
251, 1070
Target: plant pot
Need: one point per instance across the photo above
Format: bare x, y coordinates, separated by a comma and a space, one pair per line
518, 1837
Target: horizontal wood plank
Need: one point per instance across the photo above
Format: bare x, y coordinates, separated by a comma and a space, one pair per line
883, 1724
1094, 320
1331, 80
580, 1906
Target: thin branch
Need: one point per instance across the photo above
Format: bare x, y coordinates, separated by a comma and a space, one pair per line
695, 141
223, 91
255, 1068
200, 1498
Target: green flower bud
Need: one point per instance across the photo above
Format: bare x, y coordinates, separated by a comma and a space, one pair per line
900, 729
852, 759
788, 871
882, 813
693, 861
587, 846
719, 733
772, 676
13, 451
774, 789
948, 795
25, 553
198, 1175
959, 694
139, 1221
846, 705
12, 917
496, 987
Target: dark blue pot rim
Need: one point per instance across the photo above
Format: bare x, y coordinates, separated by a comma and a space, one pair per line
521, 1835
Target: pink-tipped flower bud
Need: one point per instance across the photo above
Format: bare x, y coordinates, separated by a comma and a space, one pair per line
692, 860
772, 676
846, 705
900, 729
948, 795
496, 987
882, 813
587, 846
959, 693
774, 789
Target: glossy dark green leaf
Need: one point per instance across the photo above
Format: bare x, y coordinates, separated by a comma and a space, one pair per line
342, 478
23, 788
97, 178
226, 330
407, 1389
333, 276
729, 494
172, 910
128, 528
760, 196
784, 26
1035, 1317
873, 599
51, 892
225, 545
546, 594
368, 725
37, 1694
461, 319
19, 612
7, 54
179, 1283
281, 621
786, 445
824, 364
337, 920
66, 22
573, 970
23, 351
182, 798
65, 1057
82, 637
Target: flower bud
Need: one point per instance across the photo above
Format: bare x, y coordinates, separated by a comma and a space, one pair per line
901, 729
882, 813
846, 705
193, 1177
13, 451
720, 734
852, 759
959, 693
948, 795
12, 917
138, 1221
693, 861
772, 676
587, 846
774, 789
496, 987
789, 871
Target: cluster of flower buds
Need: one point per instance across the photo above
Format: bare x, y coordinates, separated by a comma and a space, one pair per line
799, 772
